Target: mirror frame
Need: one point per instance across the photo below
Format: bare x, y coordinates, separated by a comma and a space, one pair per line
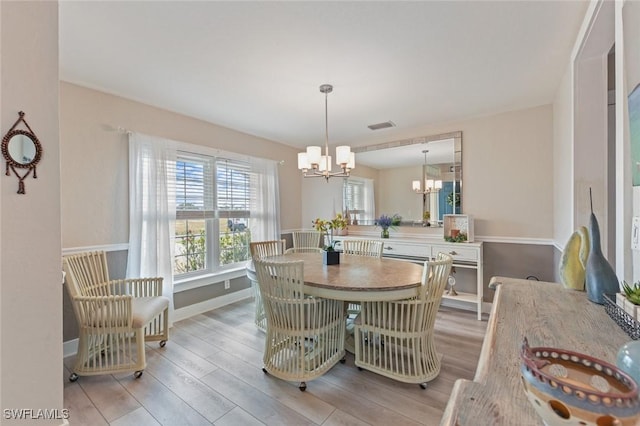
457, 138
11, 163
7, 155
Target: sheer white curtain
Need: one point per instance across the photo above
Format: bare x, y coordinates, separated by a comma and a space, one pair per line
152, 210
369, 201
265, 208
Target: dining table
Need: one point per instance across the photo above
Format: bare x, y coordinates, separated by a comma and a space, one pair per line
355, 278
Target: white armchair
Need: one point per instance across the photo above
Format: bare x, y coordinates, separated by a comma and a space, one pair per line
115, 317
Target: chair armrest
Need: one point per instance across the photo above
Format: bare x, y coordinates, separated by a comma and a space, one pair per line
104, 311
139, 287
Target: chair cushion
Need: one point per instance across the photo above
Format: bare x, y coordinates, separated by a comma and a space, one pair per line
147, 308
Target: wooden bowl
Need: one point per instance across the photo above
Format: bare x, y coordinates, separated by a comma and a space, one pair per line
569, 388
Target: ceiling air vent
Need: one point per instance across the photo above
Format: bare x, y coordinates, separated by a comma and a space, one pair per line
384, 125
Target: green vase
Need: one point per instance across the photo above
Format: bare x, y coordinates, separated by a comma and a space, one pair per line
385, 233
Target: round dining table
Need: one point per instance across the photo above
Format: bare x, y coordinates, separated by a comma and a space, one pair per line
355, 278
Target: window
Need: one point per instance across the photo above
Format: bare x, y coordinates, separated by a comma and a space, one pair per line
212, 228
358, 200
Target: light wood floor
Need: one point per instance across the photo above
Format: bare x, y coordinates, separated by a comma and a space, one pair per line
210, 372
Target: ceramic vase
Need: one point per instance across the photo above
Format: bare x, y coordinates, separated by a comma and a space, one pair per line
628, 359
599, 275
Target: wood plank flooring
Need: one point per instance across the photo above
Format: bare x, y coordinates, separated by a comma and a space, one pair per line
210, 373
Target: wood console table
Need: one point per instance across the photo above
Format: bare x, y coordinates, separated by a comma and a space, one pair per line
548, 315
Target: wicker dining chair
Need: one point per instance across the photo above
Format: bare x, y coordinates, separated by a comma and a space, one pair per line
371, 248
305, 335
306, 239
260, 249
396, 339
115, 317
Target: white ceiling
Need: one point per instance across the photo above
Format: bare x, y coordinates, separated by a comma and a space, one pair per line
256, 66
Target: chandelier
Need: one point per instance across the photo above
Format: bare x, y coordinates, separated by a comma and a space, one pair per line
430, 185
314, 164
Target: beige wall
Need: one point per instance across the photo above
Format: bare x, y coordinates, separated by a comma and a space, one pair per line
507, 162
94, 161
563, 161
30, 268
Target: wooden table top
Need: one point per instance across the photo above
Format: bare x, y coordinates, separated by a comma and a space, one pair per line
548, 315
357, 278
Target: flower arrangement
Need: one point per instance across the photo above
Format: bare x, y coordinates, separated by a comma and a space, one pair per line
385, 222
327, 226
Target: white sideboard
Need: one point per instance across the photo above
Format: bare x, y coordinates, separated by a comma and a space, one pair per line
465, 255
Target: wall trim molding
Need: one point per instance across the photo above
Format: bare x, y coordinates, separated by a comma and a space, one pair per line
207, 305
102, 247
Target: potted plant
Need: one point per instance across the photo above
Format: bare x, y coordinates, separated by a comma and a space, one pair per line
425, 218
385, 222
329, 255
629, 301
340, 223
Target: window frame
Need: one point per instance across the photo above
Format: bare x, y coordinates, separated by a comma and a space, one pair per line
211, 214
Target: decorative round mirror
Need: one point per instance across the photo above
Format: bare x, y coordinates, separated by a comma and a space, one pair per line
21, 150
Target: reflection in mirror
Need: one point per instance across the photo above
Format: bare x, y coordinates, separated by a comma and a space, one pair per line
22, 149
358, 200
419, 186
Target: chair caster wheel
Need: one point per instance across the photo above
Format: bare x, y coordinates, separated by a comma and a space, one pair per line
302, 387
359, 368
423, 385
73, 377
163, 343
343, 360
264, 370
137, 374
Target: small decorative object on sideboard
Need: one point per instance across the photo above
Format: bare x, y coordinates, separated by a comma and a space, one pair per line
385, 222
600, 278
615, 309
574, 259
563, 385
628, 359
630, 299
458, 228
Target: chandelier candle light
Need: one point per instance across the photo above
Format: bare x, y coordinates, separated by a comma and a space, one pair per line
314, 164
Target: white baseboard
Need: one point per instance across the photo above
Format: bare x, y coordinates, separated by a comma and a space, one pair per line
466, 306
70, 347
207, 305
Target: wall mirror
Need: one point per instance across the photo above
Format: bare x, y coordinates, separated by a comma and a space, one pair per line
21, 150
420, 179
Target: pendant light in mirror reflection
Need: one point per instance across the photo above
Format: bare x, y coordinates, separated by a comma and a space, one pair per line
314, 164
430, 185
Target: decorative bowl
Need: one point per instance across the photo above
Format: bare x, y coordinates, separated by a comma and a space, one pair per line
569, 388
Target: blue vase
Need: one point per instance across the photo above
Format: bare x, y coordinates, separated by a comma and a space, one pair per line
599, 275
628, 359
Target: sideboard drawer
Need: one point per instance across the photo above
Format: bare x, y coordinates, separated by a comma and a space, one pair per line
400, 249
459, 252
